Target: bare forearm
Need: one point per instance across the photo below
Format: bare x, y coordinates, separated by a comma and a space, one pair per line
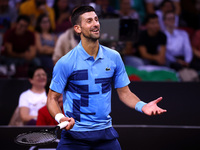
24, 114
127, 97
52, 103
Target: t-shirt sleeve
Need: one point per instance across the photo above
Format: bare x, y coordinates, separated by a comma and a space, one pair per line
120, 77
23, 102
141, 40
61, 73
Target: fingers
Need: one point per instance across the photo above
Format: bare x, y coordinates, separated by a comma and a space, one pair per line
158, 112
71, 122
158, 100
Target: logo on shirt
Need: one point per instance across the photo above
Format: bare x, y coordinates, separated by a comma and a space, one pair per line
108, 69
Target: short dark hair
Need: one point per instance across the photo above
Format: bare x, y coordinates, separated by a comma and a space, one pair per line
150, 16
32, 70
23, 17
77, 12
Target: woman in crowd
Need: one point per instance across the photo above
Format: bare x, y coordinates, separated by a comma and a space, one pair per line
31, 100
62, 16
45, 42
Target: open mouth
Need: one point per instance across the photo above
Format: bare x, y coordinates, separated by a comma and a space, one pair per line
95, 31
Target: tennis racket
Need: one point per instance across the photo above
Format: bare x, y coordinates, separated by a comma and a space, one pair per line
40, 137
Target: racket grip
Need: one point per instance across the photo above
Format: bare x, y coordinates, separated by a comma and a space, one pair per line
63, 124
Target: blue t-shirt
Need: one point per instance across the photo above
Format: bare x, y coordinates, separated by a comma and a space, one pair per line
86, 86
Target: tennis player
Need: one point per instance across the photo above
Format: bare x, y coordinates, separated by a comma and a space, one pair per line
84, 76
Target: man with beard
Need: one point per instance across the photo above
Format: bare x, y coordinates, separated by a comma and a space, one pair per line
84, 76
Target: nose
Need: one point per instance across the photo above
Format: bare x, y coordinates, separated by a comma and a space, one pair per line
96, 23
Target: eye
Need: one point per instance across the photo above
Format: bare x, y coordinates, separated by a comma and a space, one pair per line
89, 20
97, 19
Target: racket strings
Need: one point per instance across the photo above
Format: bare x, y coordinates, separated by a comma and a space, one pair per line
36, 138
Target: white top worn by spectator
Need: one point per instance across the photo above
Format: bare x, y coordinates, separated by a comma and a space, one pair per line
178, 44
64, 44
34, 101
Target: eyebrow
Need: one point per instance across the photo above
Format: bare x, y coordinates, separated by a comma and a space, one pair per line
91, 17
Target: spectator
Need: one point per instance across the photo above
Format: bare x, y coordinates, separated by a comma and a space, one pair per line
62, 16
45, 42
137, 5
105, 10
166, 6
153, 5
44, 117
151, 44
20, 47
126, 12
8, 16
31, 100
34, 8
66, 42
178, 49
15, 3
196, 51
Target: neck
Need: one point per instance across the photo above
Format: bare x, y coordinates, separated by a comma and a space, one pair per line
18, 33
151, 33
37, 89
170, 29
90, 46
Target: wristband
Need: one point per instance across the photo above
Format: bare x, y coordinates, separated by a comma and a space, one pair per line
139, 106
58, 117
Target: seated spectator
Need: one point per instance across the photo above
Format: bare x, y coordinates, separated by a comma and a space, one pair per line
166, 6
44, 117
151, 44
66, 42
196, 51
105, 10
31, 100
20, 47
8, 16
45, 42
153, 5
178, 48
126, 12
62, 16
34, 8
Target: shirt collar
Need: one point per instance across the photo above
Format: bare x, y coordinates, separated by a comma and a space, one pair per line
86, 56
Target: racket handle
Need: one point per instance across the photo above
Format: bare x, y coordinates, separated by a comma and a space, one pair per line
63, 124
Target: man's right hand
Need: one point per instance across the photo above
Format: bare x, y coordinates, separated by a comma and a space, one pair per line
70, 120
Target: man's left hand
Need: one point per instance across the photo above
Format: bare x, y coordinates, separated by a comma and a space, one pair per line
151, 108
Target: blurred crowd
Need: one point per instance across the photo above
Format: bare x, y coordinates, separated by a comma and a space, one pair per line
39, 32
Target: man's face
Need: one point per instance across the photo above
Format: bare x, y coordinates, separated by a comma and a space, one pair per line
153, 25
21, 27
89, 26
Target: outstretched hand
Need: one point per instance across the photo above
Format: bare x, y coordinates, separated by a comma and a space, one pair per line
151, 108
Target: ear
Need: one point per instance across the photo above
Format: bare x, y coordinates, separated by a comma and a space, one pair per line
77, 29
30, 80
